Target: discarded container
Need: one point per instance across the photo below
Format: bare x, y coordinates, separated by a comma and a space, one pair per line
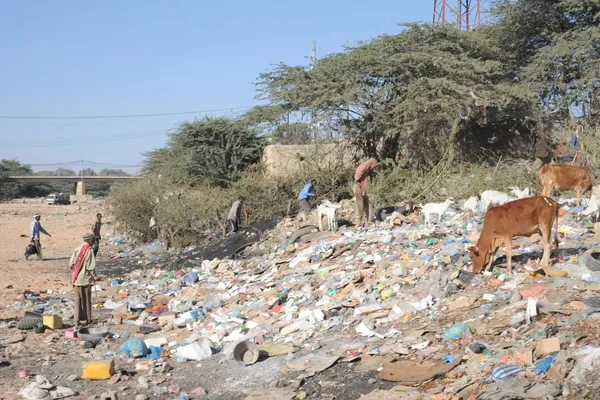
196, 351
98, 370
70, 334
246, 353
24, 373
191, 277
92, 334
52, 321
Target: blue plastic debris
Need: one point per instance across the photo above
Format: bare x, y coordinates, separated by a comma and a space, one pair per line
544, 364
134, 348
191, 277
155, 352
504, 372
449, 358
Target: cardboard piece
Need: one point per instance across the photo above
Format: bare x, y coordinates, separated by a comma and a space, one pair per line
408, 372
546, 347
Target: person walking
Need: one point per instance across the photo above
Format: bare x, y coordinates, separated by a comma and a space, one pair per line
96, 229
544, 153
35, 229
83, 276
362, 174
306, 194
235, 215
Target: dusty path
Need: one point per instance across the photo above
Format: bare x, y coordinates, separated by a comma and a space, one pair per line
66, 224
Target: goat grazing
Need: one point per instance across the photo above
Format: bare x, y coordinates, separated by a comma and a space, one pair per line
435, 208
330, 210
471, 204
494, 198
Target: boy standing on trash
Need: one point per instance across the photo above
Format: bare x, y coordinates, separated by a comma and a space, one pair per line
235, 215
363, 172
36, 228
96, 229
83, 276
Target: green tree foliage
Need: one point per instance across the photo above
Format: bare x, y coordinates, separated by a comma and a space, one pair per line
12, 190
408, 88
112, 172
212, 151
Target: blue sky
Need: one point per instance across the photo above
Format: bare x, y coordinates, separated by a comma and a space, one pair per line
76, 58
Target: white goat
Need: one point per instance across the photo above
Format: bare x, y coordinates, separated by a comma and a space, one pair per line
519, 194
471, 204
435, 208
494, 198
331, 211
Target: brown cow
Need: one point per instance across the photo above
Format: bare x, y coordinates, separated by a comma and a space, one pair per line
565, 177
522, 217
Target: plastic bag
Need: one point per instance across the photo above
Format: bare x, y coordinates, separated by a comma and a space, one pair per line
134, 348
457, 331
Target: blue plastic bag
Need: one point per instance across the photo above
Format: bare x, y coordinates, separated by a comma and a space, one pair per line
544, 364
155, 352
134, 348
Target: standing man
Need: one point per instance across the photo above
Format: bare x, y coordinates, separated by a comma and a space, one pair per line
363, 172
544, 153
235, 215
83, 275
96, 229
306, 193
35, 229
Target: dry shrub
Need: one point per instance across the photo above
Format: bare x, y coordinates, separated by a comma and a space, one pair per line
200, 212
461, 181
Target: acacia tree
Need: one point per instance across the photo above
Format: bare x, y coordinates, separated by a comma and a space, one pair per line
415, 88
212, 150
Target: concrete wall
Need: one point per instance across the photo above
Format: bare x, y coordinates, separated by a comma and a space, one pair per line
284, 160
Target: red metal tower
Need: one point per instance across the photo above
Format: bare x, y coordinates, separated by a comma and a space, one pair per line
464, 14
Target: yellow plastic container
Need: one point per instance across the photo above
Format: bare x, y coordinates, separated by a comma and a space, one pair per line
98, 370
52, 321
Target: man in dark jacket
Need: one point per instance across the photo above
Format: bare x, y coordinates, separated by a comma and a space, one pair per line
544, 153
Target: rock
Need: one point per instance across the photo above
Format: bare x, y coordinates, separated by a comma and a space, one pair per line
199, 392
141, 397
72, 378
109, 396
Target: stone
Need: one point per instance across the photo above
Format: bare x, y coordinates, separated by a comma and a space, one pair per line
199, 392
109, 396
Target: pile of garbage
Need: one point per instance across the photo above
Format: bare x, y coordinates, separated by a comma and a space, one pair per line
396, 301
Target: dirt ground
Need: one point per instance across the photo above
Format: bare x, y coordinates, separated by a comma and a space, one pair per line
66, 223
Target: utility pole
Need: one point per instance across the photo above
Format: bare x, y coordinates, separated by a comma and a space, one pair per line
313, 61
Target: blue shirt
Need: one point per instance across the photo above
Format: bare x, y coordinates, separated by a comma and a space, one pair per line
306, 192
36, 228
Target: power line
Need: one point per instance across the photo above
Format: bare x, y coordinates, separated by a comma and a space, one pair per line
126, 115
81, 140
79, 162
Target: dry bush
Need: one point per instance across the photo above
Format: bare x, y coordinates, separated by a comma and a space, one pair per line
201, 212
461, 181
